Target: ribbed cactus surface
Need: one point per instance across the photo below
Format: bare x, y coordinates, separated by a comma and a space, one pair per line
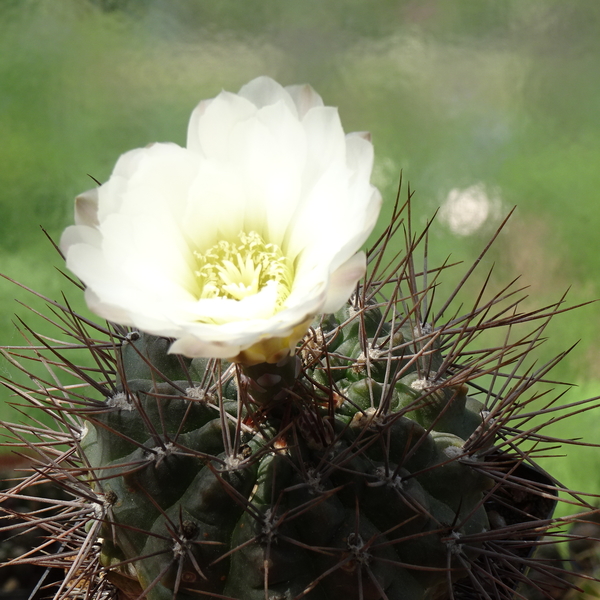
341, 473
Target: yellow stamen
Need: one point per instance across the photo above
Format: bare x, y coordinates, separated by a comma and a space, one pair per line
239, 269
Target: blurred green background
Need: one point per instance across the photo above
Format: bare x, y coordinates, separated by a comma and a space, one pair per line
483, 104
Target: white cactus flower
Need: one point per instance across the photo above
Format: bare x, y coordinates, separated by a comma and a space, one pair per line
232, 245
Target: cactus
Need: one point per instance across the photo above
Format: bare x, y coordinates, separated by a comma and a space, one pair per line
374, 463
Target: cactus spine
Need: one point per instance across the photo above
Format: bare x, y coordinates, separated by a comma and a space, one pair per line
370, 465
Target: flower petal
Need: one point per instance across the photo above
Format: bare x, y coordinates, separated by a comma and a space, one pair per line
86, 208
211, 124
193, 346
304, 97
343, 281
264, 91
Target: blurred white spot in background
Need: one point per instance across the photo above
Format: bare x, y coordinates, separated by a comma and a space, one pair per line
465, 211
386, 173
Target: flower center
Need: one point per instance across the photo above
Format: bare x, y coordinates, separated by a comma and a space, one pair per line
243, 268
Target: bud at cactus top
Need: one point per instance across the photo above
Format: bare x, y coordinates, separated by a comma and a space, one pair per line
233, 244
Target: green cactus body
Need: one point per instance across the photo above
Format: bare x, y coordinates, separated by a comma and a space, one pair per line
342, 477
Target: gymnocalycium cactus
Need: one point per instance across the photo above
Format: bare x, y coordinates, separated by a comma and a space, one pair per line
316, 487
387, 457
370, 464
